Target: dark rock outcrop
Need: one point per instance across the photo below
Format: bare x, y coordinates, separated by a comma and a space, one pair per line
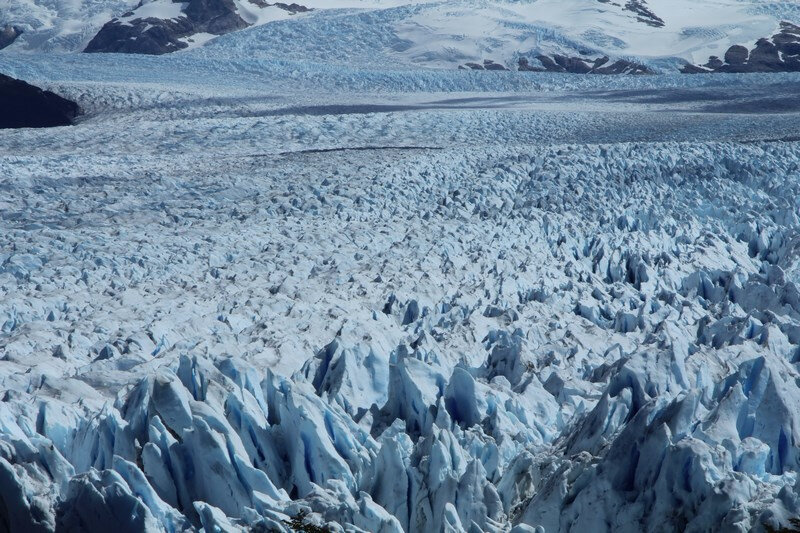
291, 8
214, 16
8, 35
644, 13
578, 65
779, 53
487, 64
149, 35
736, 55
25, 106
142, 36
160, 36
641, 10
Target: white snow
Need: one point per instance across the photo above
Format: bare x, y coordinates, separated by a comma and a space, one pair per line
60, 25
446, 34
198, 39
253, 14
160, 9
441, 34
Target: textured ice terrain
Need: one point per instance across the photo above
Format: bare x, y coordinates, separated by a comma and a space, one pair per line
417, 301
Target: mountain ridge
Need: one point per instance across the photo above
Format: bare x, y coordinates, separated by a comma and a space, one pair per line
566, 36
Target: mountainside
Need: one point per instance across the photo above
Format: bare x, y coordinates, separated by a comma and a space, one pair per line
163, 26
58, 25
580, 36
780, 53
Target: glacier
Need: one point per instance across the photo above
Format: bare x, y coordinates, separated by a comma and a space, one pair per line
263, 294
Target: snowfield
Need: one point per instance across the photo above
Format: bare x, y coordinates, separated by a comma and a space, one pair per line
246, 293
660, 35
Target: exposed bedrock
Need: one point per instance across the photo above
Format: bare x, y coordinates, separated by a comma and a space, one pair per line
23, 105
779, 53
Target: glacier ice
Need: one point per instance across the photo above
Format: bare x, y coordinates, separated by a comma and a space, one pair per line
505, 314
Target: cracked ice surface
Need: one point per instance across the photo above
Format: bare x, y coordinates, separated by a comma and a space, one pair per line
512, 315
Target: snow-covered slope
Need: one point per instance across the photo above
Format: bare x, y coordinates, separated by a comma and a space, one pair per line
656, 34
780, 52
163, 26
59, 25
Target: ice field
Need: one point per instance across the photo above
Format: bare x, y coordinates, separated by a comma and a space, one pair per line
246, 291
